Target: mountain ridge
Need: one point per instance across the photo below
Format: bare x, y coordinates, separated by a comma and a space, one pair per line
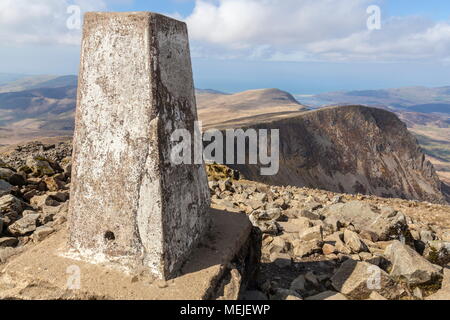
362, 150
49, 112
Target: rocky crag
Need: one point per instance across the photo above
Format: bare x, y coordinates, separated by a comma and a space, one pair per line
316, 244
353, 149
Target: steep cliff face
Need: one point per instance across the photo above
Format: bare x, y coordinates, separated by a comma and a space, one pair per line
352, 149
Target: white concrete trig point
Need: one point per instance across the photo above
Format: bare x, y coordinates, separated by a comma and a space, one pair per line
129, 205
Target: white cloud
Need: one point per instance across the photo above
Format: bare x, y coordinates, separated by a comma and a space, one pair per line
399, 40
300, 30
40, 22
294, 30
240, 23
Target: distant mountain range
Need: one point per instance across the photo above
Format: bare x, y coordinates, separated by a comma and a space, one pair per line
44, 106
7, 77
414, 99
14, 83
214, 107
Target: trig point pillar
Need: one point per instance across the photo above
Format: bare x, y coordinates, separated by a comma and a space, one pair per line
129, 205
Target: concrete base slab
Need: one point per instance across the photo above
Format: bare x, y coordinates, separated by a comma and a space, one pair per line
43, 272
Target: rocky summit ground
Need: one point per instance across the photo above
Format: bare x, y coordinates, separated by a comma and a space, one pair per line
316, 244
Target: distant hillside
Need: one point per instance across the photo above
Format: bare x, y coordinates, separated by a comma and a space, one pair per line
431, 108
49, 111
46, 109
213, 108
40, 104
6, 78
21, 83
424, 119
352, 149
208, 91
426, 111
416, 99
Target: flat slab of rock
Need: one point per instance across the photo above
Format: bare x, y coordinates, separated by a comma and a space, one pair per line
43, 273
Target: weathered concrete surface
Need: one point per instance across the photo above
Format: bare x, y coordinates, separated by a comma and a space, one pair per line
42, 272
129, 205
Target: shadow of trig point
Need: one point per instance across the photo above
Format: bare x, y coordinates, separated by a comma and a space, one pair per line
129, 205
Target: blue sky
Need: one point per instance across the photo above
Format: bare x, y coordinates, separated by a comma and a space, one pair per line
437, 10
184, 7
303, 46
434, 9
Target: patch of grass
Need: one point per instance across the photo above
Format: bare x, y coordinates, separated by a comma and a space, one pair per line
220, 172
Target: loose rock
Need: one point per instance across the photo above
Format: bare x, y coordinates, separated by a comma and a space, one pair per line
353, 242
306, 248
408, 264
364, 218
39, 166
24, 225
313, 233
359, 279
8, 242
5, 188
